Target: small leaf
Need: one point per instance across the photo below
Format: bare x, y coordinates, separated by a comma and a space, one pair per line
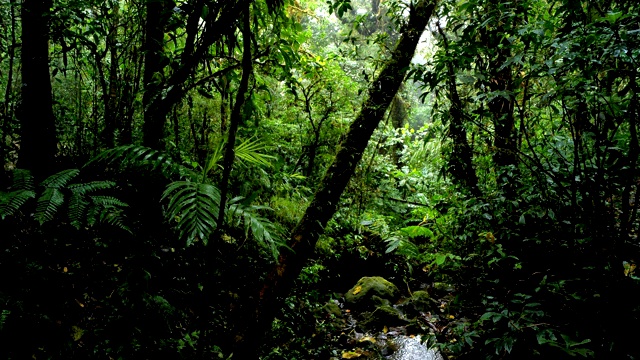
76, 333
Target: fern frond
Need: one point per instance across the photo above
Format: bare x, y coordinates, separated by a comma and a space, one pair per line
59, 180
108, 201
139, 156
48, 204
77, 209
113, 216
90, 187
22, 180
195, 206
11, 202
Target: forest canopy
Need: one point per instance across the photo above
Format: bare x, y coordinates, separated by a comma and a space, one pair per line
229, 178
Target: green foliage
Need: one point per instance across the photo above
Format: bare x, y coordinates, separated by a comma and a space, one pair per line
195, 208
263, 231
140, 157
83, 206
194, 204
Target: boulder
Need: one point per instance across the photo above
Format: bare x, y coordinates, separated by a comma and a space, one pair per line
382, 316
370, 292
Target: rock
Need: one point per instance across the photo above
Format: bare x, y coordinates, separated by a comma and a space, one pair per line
361, 296
384, 315
420, 301
332, 308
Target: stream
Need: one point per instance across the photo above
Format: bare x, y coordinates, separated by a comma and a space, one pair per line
411, 348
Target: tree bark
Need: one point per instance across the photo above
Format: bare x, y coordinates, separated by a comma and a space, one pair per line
38, 144
236, 114
153, 127
461, 159
303, 239
8, 107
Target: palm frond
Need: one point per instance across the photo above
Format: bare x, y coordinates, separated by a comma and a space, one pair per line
252, 152
195, 207
262, 229
216, 154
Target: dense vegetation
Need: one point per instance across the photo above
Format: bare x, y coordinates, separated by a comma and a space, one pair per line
199, 178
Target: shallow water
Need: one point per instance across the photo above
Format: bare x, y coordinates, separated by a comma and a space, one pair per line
412, 349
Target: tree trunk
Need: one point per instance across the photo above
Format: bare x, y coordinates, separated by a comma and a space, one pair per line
303, 239
153, 127
38, 145
8, 108
236, 114
461, 159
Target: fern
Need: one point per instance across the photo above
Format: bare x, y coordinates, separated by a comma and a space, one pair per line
22, 180
48, 204
11, 202
78, 206
262, 229
195, 207
82, 207
140, 156
93, 186
59, 180
194, 203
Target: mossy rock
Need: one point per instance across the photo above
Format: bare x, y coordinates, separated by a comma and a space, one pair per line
421, 301
362, 294
382, 316
332, 308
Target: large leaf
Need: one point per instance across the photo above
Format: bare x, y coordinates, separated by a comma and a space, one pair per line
195, 207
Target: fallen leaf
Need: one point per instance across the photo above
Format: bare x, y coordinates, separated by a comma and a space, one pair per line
76, 333
368, 338
352, 354
357, 289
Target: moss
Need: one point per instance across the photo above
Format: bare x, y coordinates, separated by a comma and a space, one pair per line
332, 308
362, 294
384, 315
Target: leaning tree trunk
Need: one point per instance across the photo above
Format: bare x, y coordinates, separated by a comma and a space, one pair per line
38, 129
303, 239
